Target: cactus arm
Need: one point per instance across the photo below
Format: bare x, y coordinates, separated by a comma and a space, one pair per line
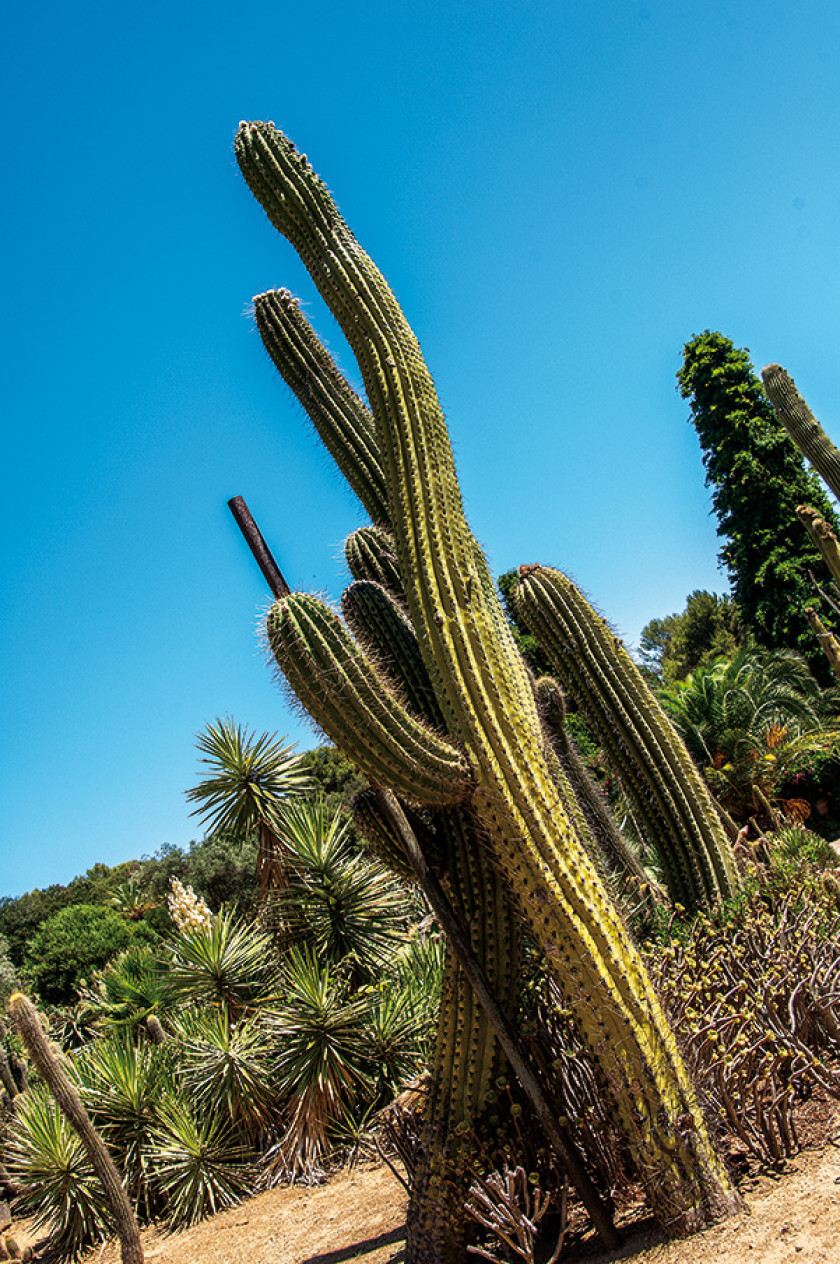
347, 697
485, 694
370, 556
630, 723
28, 1026
378, 623
826, 640
342, 420
823, 536
802, 426
620, 858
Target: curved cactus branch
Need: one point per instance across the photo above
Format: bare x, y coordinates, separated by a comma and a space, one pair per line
657, 771
620, 858
341, 418
346, 695
27, 1024
801, 424
823, 536
826, 640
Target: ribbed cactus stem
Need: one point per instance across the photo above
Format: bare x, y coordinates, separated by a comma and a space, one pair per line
371, 555
826, 640
802, 426
657, 771
342, 420
823, 536
346, 695
385, 631
27, 1023
488, 998
619, 856
486, 697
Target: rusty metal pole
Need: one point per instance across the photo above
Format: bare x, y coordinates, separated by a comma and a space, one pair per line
262, 553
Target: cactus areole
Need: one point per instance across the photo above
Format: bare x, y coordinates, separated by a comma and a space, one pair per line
485, 696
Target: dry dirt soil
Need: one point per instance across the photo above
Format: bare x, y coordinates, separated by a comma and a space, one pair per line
360, 1215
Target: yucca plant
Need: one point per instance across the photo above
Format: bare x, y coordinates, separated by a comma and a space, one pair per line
226, 964
59, 1188
342, 902
251, 776
124, 993
225, 1068
396, 1031
200, 1165
122, 1085
321, 1050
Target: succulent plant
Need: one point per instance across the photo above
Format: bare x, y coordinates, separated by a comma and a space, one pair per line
491, 754
657, 773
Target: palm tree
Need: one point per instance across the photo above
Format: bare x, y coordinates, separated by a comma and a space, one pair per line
750, 723
250, 777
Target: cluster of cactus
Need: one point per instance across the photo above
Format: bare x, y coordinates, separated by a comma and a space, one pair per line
478, 747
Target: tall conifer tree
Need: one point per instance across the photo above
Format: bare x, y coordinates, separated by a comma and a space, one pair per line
757, 478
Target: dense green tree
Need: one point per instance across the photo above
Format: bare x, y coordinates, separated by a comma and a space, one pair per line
757, 478
710, 627
73, 943
23, 915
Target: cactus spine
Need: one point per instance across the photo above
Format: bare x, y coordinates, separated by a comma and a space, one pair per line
802, 426
484, 693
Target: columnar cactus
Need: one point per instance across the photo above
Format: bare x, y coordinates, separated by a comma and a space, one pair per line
801, 424
823, 536
492, 753
826, 640
621, 861
659, 777
27, 1024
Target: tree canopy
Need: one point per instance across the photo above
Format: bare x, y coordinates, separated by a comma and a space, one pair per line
710, 627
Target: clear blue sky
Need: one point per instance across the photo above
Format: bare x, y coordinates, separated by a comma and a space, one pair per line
561, 194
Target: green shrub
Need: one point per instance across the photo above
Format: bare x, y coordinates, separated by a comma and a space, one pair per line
73, 943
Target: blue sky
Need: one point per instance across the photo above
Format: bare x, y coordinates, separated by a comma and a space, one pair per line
561, 194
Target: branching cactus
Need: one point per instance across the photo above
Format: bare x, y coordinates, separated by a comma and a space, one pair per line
802, 426
658, 775
491, 754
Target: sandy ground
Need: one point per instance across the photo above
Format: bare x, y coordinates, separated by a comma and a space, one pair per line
360, 1215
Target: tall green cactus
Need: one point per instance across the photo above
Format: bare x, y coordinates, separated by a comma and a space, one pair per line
485, 696
656, 771
801, 424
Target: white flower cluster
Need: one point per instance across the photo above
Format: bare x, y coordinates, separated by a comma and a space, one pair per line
187, 910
